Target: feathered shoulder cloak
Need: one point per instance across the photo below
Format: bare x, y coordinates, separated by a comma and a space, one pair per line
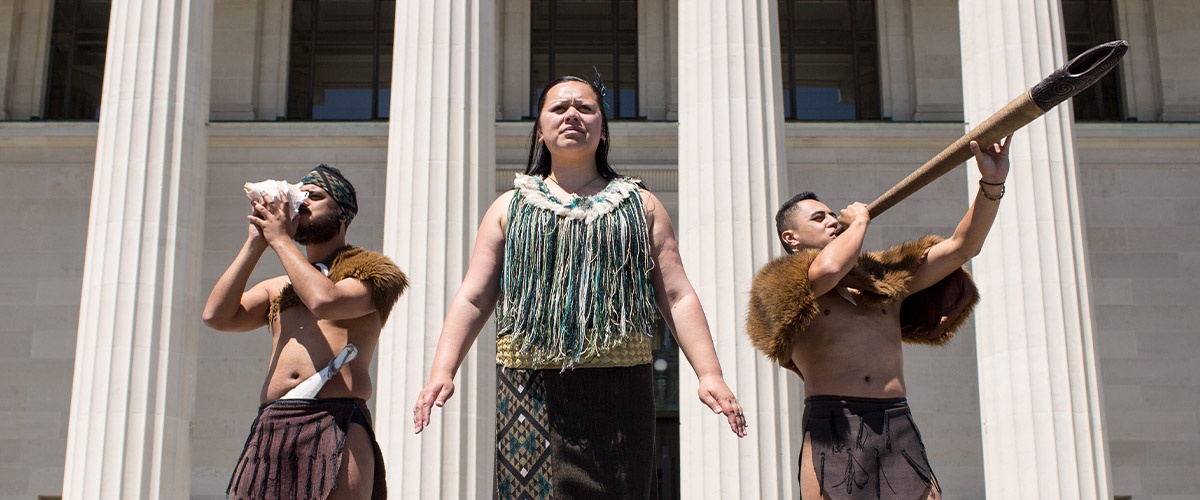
387, 281
782, 304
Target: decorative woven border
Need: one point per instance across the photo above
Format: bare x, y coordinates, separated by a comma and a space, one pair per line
582, 208
634, 352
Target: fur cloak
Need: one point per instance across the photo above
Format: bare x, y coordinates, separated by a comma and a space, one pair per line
782, 304
387, 281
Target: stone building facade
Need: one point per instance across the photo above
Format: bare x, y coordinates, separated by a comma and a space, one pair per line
1080, 377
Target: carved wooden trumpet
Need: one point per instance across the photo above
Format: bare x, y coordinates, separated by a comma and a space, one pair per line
1072, 78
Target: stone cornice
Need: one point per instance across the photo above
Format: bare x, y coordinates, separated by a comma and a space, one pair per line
38, 134
315, 134
1138, 136
513, 134
628, 134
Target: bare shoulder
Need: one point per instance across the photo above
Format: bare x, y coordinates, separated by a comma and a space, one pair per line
497, 213
272, 286
504, 199
650, 203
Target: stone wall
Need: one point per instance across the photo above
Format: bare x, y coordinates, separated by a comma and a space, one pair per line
1139, 181
47, 171
1141, 197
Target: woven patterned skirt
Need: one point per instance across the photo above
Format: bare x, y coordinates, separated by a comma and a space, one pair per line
584, 433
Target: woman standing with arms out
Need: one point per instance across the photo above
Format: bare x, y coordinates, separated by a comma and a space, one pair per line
574, 259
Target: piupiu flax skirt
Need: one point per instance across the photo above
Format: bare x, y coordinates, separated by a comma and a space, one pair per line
586, 433
295, 449
866, 448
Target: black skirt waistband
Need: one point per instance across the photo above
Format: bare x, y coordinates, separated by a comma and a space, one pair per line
855, 403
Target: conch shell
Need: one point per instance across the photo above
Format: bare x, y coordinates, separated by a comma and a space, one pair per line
275, 190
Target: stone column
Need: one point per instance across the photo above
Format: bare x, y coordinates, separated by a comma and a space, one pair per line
7, 25
1040, 401
439, 183
896, 61
731, 167
27, 55
135, 361
656, 65
514, 58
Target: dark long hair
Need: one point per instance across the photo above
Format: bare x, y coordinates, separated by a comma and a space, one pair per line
538, 162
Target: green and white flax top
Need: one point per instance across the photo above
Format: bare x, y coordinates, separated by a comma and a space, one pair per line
576, 277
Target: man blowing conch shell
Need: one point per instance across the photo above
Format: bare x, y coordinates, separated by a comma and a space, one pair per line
331, 304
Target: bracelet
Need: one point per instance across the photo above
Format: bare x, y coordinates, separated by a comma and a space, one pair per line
985, 193
981, 181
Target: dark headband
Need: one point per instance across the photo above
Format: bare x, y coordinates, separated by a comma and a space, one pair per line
333, 182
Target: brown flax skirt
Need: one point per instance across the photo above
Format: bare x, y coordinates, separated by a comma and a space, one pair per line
866, 448
295, 449
583, 433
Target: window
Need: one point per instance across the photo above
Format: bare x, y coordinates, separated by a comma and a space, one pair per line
1089, 23
830, 55
78, 39
569, 37
341, 59
666, 414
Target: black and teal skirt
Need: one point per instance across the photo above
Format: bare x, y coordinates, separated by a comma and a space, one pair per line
582, 433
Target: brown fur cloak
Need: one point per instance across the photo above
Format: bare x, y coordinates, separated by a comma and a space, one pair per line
782, 304
387, 281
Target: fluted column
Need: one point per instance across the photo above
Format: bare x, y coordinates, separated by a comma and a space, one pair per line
439, 183
135, 360
731, 162
1040, 399
7, 25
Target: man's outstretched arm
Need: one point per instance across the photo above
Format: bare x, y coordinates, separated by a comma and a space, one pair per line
967, 241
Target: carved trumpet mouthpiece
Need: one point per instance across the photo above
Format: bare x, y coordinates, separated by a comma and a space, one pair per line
1078, 74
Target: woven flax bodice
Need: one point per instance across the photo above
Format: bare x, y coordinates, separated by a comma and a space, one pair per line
576, 286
